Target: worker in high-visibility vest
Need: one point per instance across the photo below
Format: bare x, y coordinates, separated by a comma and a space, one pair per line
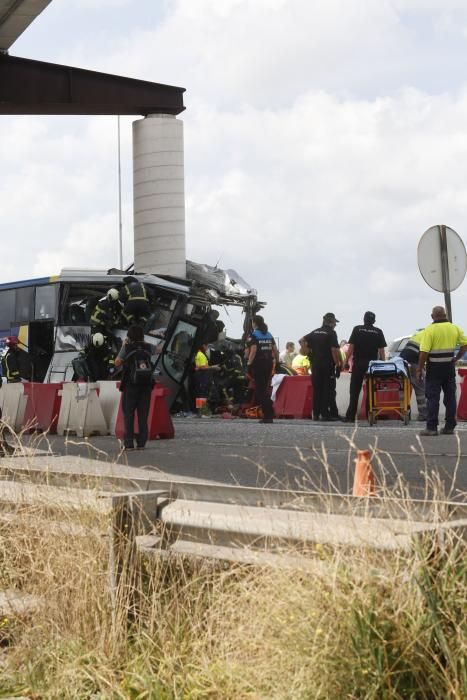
301, 363
136, 299
411, 354
16, 363
438, 345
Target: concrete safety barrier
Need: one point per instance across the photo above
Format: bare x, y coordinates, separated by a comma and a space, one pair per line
13, 405
80, 410
110, 397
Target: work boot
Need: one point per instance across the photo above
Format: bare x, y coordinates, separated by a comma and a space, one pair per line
427, 432
447, 431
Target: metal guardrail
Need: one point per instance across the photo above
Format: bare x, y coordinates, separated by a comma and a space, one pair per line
235, 523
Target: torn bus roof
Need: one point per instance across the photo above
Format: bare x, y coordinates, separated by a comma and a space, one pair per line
218, 286
225, 282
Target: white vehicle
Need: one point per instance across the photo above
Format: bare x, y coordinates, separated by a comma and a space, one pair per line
396, 346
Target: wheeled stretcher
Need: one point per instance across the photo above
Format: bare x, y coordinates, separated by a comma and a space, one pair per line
388, 390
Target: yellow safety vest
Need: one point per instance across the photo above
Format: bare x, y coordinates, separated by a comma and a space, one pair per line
201, 360
440, 340
301, 362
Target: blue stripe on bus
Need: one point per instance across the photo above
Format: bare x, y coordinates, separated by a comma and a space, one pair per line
28, 283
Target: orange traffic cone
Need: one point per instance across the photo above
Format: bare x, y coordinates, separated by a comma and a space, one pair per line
364, 479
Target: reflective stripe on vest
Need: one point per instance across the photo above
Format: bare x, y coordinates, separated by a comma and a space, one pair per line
136, 298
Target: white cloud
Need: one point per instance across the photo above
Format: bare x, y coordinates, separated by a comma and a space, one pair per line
320, 143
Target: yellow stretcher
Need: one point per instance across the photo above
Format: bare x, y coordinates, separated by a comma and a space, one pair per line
388, 390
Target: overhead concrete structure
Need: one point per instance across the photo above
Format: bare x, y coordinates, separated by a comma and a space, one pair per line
159, 196
15, 17
36, 87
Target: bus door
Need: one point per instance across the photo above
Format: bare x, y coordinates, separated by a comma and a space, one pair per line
41, 346
176, 357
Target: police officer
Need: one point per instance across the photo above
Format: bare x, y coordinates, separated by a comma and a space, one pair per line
323, 347
16, 364
411, 354
136, 300
107, 313
261, 358
438, 351
366, 343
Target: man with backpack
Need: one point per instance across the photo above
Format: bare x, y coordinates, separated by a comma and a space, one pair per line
136, 386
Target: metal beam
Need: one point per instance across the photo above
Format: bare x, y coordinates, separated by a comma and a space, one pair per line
15, 17
36, 87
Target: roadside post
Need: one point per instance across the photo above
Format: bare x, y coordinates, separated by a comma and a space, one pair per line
442, 261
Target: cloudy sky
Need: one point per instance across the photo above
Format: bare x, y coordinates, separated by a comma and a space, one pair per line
322, 138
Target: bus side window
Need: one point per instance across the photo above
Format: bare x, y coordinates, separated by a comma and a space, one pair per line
46, 302
24, 308
7, 308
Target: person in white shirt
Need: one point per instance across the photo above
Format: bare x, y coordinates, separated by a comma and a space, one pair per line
287, 355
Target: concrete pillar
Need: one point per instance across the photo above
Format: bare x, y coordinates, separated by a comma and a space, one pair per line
159, 195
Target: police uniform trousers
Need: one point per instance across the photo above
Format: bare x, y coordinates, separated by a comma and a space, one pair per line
323, 379
136, 399
418, 385
262, 372
359, 370
440, 376
333, 410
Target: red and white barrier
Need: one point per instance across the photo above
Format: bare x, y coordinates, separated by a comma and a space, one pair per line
80, 411
160, 423
42, 407
14, 404
294, 397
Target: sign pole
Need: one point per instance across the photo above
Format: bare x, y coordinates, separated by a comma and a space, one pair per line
445, 270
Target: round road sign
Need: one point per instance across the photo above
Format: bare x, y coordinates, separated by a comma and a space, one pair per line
430, 261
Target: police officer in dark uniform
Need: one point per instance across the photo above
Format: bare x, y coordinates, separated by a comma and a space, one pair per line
323, 348
136, 299
261, 360
366, 343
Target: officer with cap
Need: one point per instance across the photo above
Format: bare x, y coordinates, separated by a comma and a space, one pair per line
323, 347
438, 351
366, 343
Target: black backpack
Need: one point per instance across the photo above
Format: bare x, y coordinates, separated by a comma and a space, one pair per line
139, 367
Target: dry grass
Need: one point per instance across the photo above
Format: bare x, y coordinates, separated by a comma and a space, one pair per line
365, 626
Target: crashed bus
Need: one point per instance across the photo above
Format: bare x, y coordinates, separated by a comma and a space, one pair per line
51, 316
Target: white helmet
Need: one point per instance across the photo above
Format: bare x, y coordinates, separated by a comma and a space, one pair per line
112, 294
97, 340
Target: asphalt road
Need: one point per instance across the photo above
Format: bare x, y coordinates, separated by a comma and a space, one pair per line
294, 453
